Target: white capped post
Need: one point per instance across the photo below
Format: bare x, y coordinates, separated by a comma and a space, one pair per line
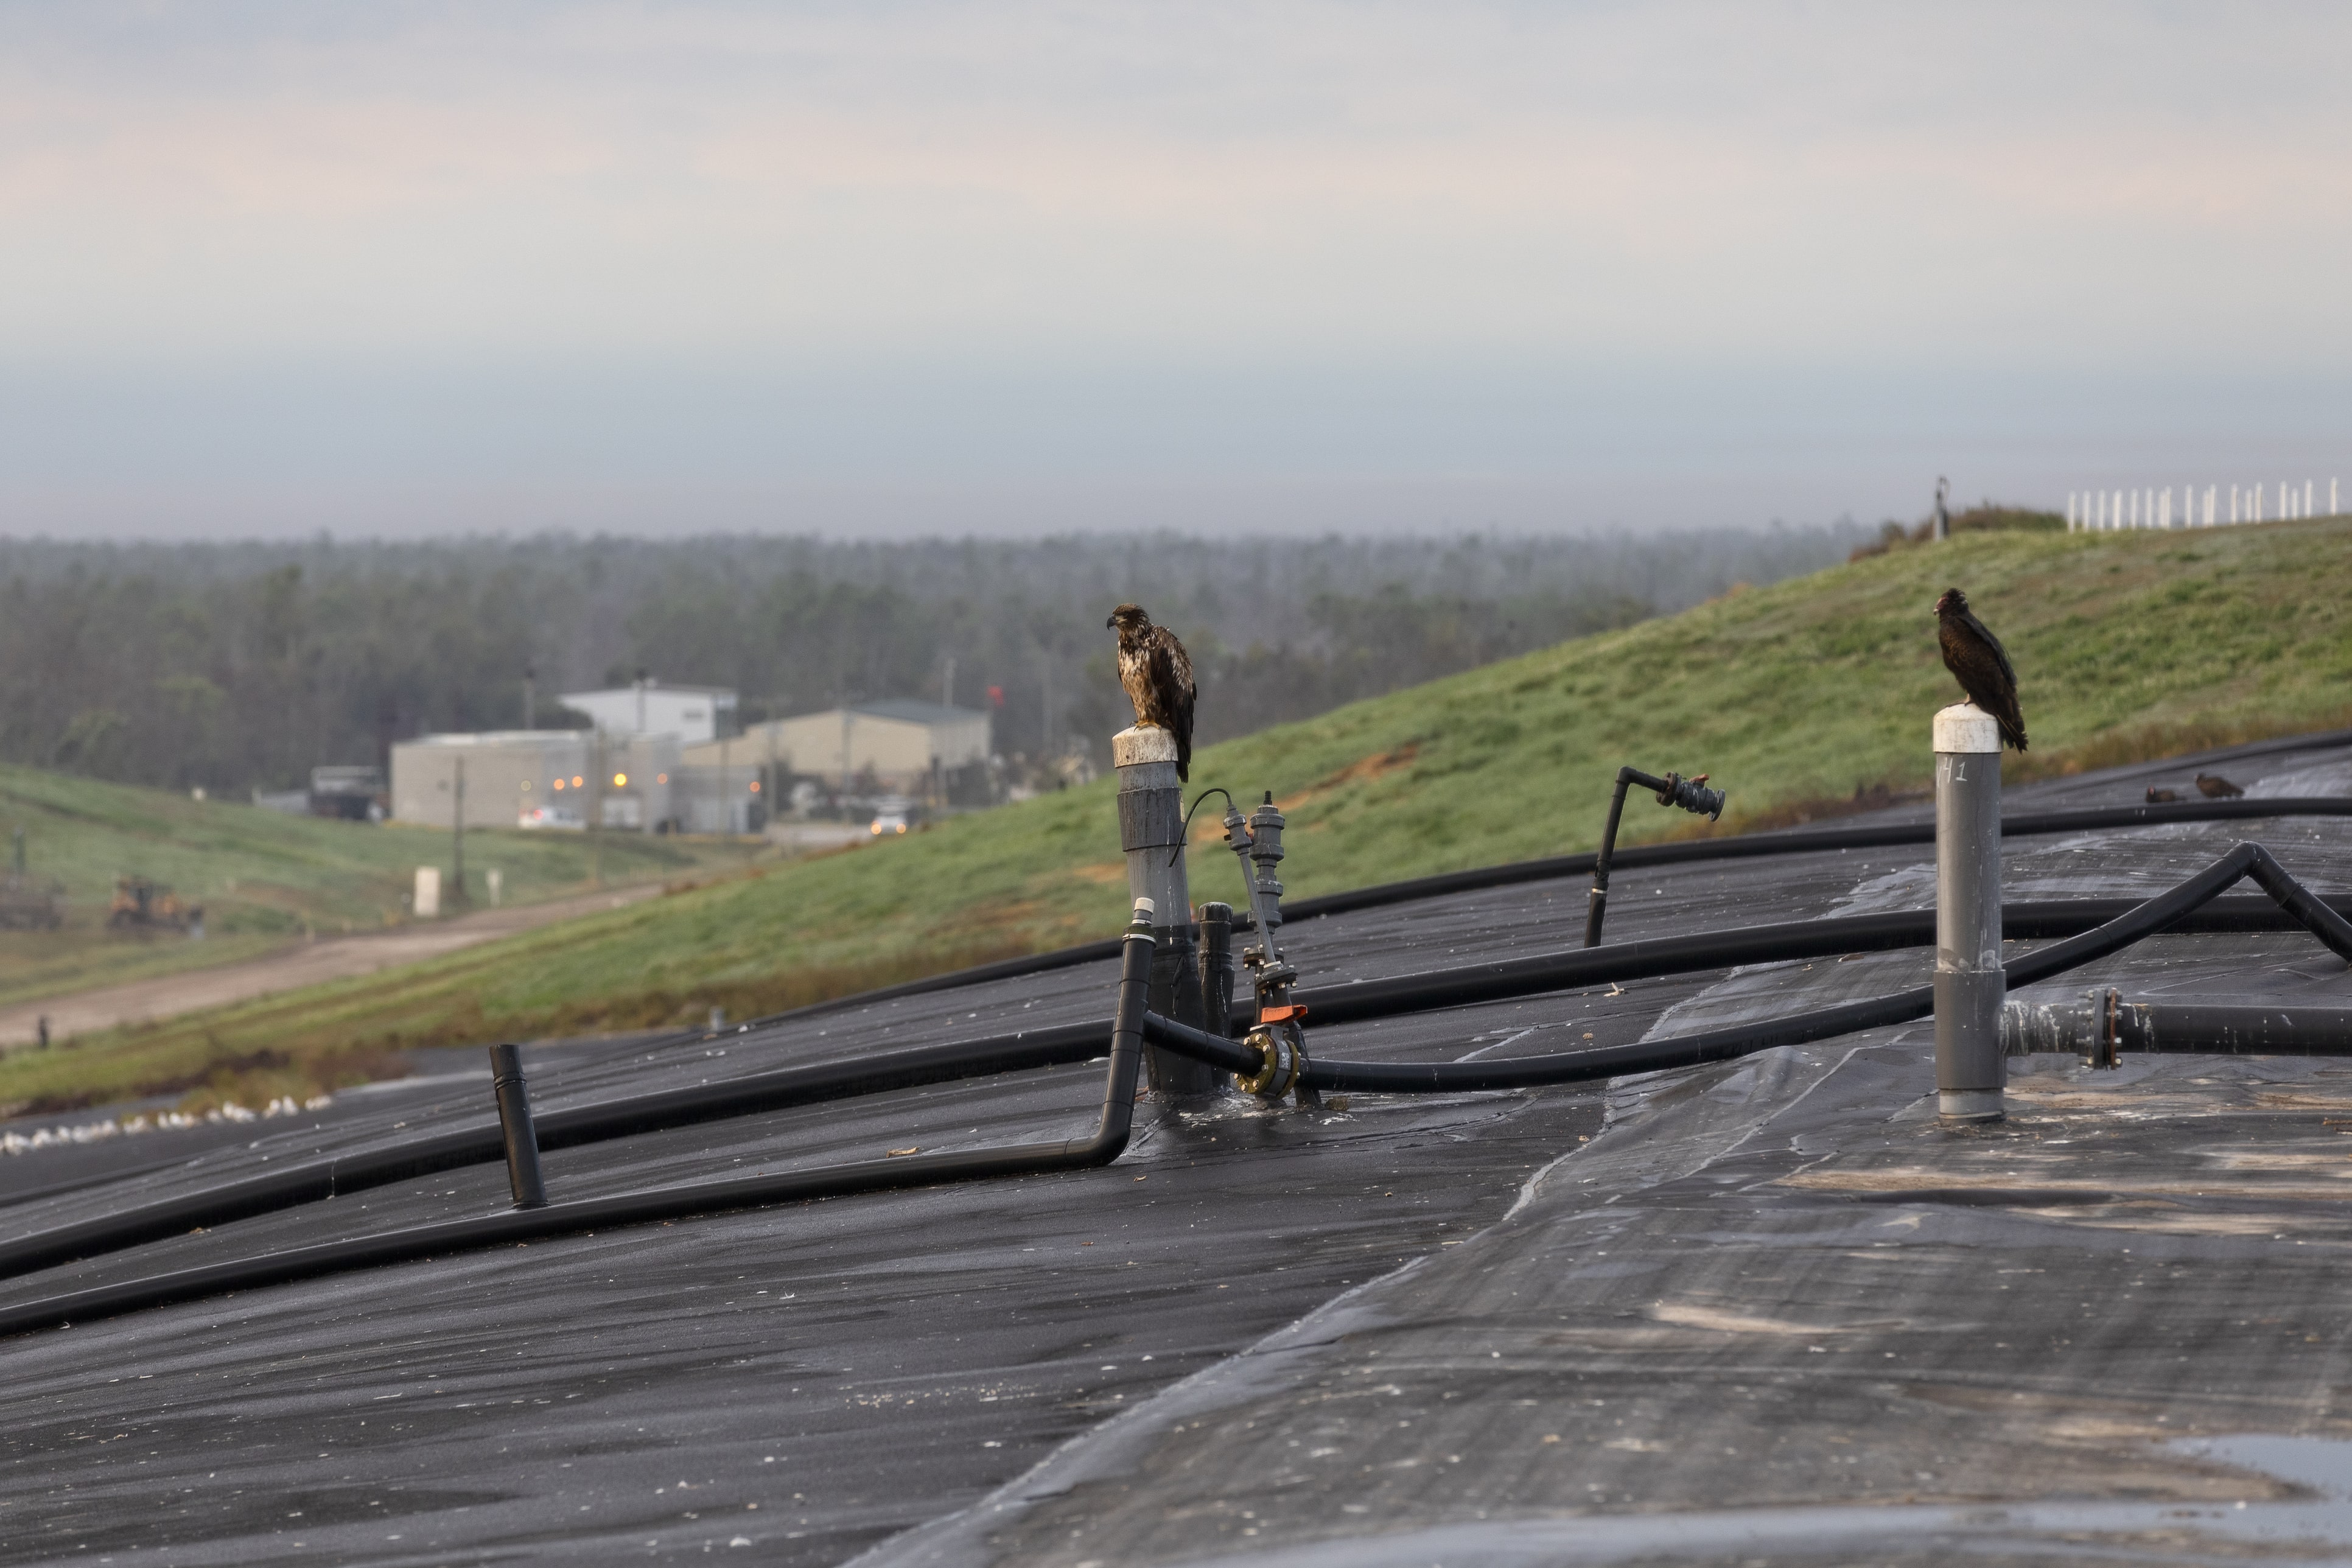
1970, 1070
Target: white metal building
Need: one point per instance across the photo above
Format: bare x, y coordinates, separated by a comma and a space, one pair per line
692, 713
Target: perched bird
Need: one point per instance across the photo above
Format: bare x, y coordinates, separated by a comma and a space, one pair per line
2213, 786
1158, 675
2162, 796
1979, 664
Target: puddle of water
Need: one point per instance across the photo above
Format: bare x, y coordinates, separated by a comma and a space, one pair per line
2323, 1464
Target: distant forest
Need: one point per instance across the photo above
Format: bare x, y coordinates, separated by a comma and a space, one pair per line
242, 665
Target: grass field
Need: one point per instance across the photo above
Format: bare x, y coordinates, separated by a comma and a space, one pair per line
1791, 697
263, 877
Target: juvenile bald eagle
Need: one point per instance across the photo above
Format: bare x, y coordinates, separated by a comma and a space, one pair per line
1158, 675
1979, 664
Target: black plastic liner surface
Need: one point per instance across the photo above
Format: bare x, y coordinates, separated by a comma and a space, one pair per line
1769, 1310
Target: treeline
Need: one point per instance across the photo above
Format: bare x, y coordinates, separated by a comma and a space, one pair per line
242, 665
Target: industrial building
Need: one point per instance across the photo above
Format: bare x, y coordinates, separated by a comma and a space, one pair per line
621, 780
900, 747
691, 713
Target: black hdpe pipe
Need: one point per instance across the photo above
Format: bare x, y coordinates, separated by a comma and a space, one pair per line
2102, 1028
2157, 915
1795, 841
1104, 1145
783, 1089
1132, 1026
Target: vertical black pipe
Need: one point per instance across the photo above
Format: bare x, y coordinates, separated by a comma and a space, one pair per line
514, 1120
1599, 908
1216, 973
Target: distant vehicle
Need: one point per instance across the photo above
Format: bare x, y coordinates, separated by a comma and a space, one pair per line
889, 821
560, 817
350, 793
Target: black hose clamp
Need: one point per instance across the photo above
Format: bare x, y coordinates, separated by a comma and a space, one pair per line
2103, 1041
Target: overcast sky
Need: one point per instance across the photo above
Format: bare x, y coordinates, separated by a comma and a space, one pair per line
896, 268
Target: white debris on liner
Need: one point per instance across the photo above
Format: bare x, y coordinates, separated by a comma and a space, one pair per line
163, 1120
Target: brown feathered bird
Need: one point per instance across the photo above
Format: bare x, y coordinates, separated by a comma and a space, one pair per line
1979, 664
2213, 786
1158, 675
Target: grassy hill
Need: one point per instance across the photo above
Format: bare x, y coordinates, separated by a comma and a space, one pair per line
1791, 697
263, 877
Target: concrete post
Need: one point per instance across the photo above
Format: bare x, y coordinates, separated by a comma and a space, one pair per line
1970, 1070
1152, 831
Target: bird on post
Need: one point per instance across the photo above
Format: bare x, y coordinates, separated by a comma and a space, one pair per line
1158, 675
1979, 664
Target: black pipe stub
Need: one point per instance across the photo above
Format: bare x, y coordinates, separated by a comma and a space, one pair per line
514, 1123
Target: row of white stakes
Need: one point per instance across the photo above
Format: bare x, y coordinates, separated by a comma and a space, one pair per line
2098, 511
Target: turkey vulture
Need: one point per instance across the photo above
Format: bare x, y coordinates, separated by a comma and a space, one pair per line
1158, 675
2213, 786
1979, 664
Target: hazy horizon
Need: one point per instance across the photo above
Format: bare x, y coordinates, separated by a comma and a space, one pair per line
938, 271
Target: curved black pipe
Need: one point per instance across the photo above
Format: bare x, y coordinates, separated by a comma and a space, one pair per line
291, 1185
2160, 913
1104, 1145
1792, 841
314, 1181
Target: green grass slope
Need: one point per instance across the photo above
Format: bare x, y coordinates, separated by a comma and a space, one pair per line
1791, 697
263, 877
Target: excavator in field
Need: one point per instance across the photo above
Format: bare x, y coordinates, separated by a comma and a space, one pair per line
141, 905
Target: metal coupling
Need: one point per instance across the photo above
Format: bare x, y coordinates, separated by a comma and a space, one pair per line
1692, 796
2092, 1027
1282, 1057
1265, 825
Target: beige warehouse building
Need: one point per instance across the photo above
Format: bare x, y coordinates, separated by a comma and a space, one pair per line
906, 746
505, 772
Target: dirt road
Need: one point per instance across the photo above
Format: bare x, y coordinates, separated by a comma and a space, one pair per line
330, 958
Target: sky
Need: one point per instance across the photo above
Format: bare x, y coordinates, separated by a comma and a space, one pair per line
889, 270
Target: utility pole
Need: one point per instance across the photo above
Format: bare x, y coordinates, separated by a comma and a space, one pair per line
1943, 511
531, 696
597, 810
457, 836
947, 684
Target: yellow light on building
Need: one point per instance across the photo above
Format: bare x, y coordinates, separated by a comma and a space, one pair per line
575, 781
558, 783
620, 781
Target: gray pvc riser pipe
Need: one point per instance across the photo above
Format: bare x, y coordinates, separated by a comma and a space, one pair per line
1970, 1071
785, 1089
1103, 1145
